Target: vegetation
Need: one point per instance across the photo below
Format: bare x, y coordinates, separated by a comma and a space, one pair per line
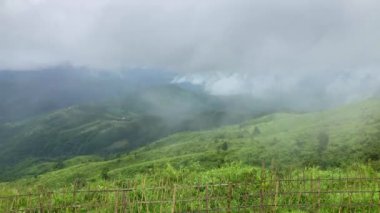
108, 128
329, 139
332, 143
232, 188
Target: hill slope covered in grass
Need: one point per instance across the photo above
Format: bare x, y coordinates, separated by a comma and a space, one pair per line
111, 127
328, 139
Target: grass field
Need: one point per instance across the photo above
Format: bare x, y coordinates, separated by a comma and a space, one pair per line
333, 144
233, 188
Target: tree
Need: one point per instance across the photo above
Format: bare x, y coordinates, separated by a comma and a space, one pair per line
104, 174
59, 165
257, 131
323, 141
224, 146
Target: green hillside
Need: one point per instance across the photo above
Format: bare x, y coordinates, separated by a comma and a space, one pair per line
334, 138
74, 131
109, 128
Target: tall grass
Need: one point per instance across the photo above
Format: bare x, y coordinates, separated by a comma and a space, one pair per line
232, 188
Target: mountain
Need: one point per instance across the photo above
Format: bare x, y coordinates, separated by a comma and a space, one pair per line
115, 126
29, 93
328, 139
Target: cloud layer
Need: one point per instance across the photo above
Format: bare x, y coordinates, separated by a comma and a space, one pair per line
262, 41
213, 35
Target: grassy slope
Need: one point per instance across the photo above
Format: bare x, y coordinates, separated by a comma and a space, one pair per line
113, 127
70, 132
292, 140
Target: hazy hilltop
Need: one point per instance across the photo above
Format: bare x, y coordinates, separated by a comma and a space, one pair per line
51, 115
26, 93
65, 112
329, 139
109, 94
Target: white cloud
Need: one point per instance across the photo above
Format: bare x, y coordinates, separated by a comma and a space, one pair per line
224, 35
263, 41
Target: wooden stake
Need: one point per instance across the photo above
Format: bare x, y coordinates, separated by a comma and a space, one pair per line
116, 201
174, 198
276, 195
124, 200
229, 197
207, 199
319, 194
262, 187
74, 196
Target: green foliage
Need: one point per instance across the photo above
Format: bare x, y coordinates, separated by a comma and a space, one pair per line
59, 165
323, 141
337, 143
78, 180
231, 186
120, 125
290, 140
104, 174
256, 131
224, 146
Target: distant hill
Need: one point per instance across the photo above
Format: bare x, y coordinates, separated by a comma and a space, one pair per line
28, 93
327, 139
117, 125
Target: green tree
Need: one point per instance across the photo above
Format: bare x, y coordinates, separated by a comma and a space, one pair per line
104, 174
257, 131
323, 141
59, 165
224, 146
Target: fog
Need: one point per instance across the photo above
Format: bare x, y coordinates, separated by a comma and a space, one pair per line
320, 51
105, 77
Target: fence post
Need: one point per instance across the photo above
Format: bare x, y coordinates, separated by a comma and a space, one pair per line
144, 195
263, 176
174, 198
200, 203
29, 203
319, 193
207, 199
136, 198
116, 201
41, 204
164, 192
74, 196
51, 201
312, 191
341, 201
348, 191
124, 200
276, 195
301, 188
229, 197
130, 197
378, 191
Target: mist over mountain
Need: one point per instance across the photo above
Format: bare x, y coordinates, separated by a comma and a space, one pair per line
310, 91
102, 94
32, 92
29, 93
62, 112
320, 53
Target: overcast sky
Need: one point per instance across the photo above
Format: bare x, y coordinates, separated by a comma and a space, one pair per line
255, 44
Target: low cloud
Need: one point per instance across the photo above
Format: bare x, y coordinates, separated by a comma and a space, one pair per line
252, 46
